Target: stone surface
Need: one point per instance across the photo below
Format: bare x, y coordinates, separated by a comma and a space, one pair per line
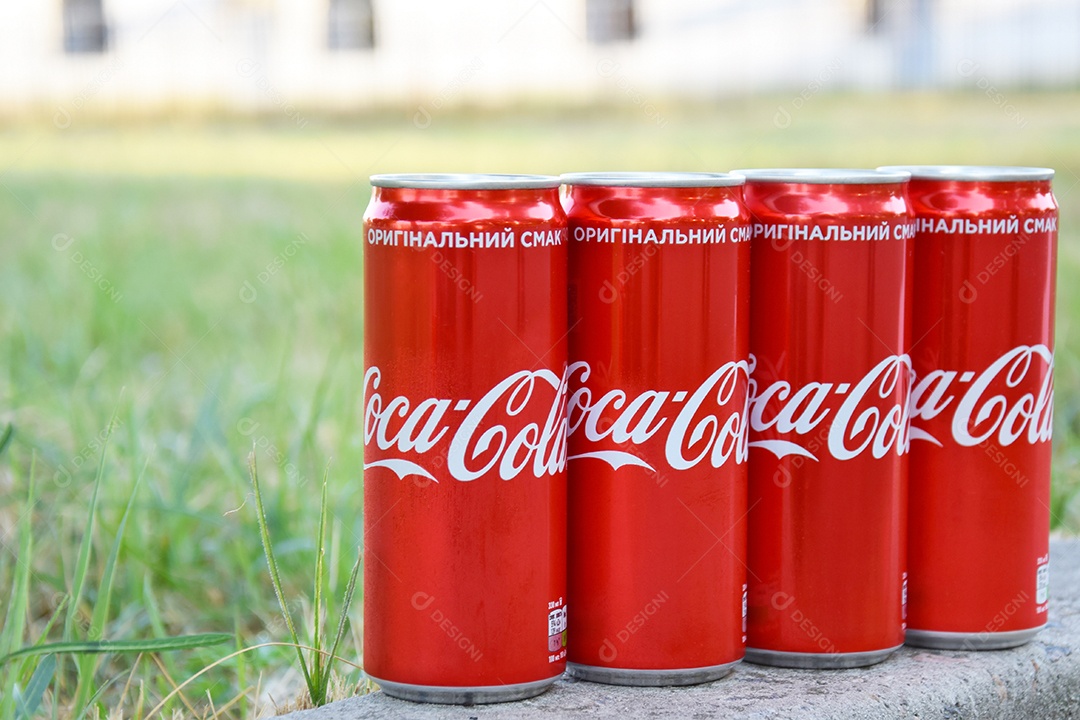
1040, 681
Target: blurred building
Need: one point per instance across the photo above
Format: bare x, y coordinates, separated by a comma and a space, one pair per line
258, 55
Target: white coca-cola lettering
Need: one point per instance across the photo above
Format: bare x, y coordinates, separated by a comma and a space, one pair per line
707, 423
545, 447
716, 437
481, 441
880, 431
983, 410
872, 417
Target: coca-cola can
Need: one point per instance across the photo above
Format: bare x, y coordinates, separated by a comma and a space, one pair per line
464, 436
659, 391
982, 406
829, 416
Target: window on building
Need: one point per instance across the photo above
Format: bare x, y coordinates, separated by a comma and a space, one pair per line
876, 11
351, 25
608, 21
84, 26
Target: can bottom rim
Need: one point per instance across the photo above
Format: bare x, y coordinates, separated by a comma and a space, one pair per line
463, 695
818, 661
650, 678
937, 640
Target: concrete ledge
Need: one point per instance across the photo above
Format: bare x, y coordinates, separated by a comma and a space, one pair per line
1040, 681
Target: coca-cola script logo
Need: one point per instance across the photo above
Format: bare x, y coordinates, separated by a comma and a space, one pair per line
715, 423
708, 423
497, 432
870, 415
1011, 400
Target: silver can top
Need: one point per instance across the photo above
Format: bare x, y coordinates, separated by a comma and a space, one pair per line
974, 173
652, 179
465, 181
824, 176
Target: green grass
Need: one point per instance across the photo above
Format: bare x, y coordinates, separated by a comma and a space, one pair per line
128, 254
317, 665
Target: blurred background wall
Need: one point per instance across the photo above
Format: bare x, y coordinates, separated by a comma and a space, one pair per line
115, 57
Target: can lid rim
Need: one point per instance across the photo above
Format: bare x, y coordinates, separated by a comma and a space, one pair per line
662, 179
465, 181
976, 173
824, 176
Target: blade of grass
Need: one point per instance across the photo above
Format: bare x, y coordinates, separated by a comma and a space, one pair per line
157, 623
24, 667
131, 676
98, 693
286, 355
151, 645
335, 555
307, 437
5, 437
227, 658
239, 700
52, 621
104, 598
241, 672
320, 557
35, 689
153, 610
140, 703
345, 605
88, 665
82, 565
18, 602
271, 562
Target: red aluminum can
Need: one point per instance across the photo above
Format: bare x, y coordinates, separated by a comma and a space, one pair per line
464, 436
659, 381
982, 406
828, 419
